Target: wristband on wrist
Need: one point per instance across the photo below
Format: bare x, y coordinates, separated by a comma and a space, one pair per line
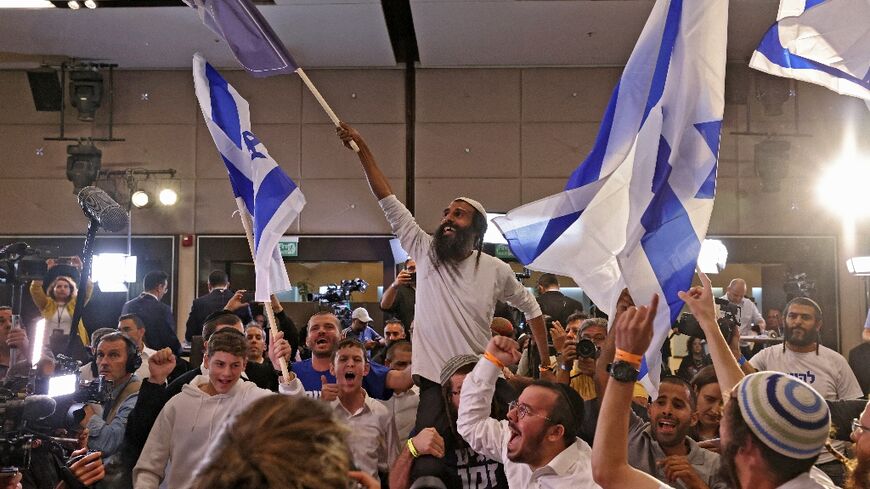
741, 360
412, 448
489, 356
632, 358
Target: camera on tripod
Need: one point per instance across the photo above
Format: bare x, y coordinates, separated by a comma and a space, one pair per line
729, 321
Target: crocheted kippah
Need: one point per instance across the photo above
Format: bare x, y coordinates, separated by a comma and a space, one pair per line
455, 364
473, 203
786, 414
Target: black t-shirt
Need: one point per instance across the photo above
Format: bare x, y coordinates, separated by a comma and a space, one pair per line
403, 306
558, 306
474, 470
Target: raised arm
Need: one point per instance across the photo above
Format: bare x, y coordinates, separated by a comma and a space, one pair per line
377, 181
699, 299
633, 334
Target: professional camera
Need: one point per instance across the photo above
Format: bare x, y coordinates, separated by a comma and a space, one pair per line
729, 321
587, 349
337, 297
798, 285
17, 417
20, 262
71, 394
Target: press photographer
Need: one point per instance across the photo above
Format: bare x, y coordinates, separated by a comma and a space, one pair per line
117, 360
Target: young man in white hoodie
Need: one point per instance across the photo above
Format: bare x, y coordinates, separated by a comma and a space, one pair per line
189, 421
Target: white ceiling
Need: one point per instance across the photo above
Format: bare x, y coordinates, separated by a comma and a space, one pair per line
353, 33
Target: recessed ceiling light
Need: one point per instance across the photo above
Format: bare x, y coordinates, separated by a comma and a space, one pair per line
90, 4
72, 4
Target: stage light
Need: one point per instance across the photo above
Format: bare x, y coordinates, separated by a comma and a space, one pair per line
168, 197
90, 4
85, 91
859, 265
38, 337
713, 256
112, 271
140, 198
73, 5
843, 186
82, 165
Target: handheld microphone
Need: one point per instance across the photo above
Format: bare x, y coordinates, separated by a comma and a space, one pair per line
99, 207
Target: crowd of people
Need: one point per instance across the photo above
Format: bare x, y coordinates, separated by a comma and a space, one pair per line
450, 396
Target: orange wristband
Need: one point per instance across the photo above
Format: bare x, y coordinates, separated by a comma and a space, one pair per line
489, 356
627, 357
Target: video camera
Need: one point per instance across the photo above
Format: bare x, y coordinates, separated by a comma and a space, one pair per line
337, 297
729, 321
72, 393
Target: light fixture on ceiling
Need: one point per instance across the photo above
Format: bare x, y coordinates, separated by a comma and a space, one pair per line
85, 91
140, 199
168, 197
771, 163
73, 5
90, 4
82, 165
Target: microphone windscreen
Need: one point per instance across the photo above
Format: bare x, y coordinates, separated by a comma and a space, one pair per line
114, 219
38, 407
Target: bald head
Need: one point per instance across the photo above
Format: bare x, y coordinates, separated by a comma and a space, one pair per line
736, 291
501, 327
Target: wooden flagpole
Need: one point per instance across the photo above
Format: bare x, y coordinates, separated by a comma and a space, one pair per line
267, 306
322, 102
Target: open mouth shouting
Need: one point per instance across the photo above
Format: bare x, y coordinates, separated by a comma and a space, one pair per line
666, 426
514, 440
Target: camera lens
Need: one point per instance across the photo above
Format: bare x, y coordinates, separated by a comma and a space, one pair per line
586, 349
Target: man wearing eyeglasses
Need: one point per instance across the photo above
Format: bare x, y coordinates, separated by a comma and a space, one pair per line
538, 442
773, 425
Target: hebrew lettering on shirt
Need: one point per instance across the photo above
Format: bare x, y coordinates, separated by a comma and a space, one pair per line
475, 471
809, 377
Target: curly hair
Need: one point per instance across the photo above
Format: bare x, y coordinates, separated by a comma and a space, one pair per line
252, 449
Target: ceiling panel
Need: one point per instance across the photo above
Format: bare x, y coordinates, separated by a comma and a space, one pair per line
317, 35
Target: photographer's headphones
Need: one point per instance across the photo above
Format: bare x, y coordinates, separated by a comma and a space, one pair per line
134, 361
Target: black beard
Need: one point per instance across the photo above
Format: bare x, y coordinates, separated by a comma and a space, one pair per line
810, 337
452, 249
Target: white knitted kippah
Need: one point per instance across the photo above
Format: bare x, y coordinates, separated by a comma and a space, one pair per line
473, 203
786, 414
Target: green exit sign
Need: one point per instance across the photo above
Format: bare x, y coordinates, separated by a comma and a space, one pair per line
289, 248
503, 251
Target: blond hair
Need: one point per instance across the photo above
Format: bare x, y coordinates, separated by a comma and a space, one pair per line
253, 449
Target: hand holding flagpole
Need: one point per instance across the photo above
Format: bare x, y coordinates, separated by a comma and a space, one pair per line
267, 306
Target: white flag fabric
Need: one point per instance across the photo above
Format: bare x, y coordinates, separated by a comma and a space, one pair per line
821, 42
635, 212
271, 200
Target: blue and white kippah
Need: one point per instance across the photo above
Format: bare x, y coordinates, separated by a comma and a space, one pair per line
786, 414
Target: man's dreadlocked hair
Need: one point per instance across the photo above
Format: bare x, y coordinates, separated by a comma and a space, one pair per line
479, 224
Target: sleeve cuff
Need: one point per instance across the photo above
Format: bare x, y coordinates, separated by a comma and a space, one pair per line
486, 370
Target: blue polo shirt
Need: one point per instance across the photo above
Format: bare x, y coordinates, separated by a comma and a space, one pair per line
375, 383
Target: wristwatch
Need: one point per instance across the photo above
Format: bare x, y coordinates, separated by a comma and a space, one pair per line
623, 371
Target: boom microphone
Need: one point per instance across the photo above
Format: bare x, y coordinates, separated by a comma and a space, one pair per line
98, 206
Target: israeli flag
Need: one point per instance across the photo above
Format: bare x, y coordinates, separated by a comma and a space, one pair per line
268, 197
635, 212
821, 42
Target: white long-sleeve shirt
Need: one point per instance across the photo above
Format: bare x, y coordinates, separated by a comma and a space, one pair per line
455, 305
572, 468
187, 425
372, 441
